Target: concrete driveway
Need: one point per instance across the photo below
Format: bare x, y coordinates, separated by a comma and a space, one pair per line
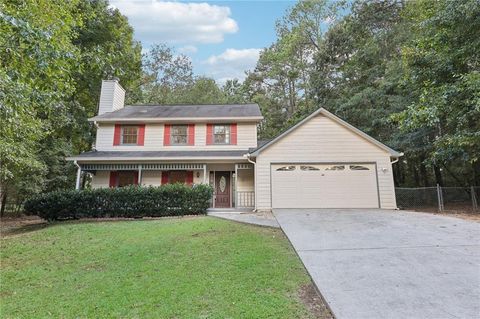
389, 264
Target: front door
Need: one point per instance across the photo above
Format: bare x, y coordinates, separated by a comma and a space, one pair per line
222, 189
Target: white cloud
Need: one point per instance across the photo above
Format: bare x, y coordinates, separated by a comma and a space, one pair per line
230, 64
188, 49
177, 22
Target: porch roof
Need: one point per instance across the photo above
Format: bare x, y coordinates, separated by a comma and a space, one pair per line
158, 155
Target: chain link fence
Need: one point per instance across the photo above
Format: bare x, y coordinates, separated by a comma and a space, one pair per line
461, 199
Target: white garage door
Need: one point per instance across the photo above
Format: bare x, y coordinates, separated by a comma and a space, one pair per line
324, 186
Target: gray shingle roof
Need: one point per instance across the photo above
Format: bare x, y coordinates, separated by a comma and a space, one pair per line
159, 154
260, 144
183, 111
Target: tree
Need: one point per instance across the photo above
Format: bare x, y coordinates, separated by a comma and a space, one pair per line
203, 90
235, 92
283, 71
442, 67
164, 73
53, 56
36, 56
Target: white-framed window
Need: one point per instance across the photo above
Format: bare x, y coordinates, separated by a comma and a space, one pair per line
221, 134
129, 134
179, 135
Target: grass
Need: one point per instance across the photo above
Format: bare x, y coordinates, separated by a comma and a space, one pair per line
175, 268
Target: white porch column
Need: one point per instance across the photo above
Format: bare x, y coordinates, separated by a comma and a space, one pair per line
236, 185
79, 174
140, 174
204, 173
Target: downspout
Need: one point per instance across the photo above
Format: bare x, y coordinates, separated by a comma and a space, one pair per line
255, 178
397, 158
391, 163
79, 173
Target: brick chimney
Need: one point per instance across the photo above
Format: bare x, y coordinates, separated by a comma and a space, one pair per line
112, 96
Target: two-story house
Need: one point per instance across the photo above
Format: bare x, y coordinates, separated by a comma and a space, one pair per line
322, 162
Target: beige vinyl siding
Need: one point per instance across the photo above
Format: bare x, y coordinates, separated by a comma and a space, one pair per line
246, 138
101, 179
112, 97
322, 140
151, 178
245, 180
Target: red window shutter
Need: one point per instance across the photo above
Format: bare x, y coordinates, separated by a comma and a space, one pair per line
117, 134
165, 175
189, 178
113, 179
233, 134
209, 134
141, 135
191, 134
135, 178
166, 134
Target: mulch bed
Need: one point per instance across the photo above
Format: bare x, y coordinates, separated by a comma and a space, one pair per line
16, 225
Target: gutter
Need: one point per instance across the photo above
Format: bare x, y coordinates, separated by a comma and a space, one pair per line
247, 156
146, 159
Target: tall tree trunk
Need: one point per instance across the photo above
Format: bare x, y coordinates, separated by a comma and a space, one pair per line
438, 175
476, 173
3, 202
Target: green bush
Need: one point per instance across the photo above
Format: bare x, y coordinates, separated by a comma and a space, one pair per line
132, 201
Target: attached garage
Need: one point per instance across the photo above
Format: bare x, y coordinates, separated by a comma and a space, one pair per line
324, 162
335, 185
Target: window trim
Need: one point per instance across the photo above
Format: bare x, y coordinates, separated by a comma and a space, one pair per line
122, 128
228, 133
172, 135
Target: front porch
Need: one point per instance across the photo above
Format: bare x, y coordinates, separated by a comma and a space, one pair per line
233, 183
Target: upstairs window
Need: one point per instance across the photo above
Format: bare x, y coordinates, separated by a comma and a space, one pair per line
221, 134
129, 134
179, 135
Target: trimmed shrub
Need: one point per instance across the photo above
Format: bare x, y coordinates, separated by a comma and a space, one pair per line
132, 201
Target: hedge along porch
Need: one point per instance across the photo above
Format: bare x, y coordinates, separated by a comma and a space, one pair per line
233, 183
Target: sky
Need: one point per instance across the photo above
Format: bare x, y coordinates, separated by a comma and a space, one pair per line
223, 38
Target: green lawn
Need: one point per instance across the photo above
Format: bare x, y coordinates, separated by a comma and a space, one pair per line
174, 268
